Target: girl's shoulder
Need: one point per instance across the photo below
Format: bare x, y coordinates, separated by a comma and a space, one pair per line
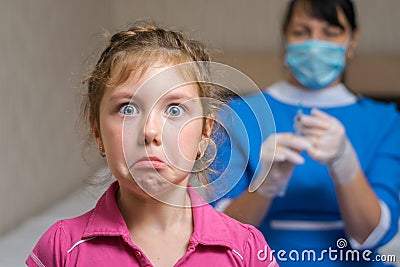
72, 227
235, 226
68, 230
60, 236
241, 233
214, 227
247, 242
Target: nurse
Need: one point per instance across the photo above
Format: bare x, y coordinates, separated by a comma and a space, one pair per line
329, 179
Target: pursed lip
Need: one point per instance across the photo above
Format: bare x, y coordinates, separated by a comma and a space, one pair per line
151, 162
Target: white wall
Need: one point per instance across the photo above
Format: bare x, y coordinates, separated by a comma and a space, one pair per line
224, 24
254, 25
379, 24
43, 44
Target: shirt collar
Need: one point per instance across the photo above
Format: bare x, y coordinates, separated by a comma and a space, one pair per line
209, 227
334, 96
106, 218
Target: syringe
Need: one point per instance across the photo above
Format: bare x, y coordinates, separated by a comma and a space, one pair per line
297, 120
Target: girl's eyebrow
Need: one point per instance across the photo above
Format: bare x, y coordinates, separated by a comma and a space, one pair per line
169, 96
121, 95
177, 95
182, 95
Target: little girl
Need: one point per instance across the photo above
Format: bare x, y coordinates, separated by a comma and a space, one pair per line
148, 110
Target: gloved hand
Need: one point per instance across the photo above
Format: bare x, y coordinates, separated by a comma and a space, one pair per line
278, 164
330, 145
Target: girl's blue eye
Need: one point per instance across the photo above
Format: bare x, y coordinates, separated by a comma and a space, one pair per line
128, 110
175, 111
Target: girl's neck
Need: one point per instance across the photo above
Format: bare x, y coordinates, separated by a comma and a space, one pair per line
150, 213
153, 225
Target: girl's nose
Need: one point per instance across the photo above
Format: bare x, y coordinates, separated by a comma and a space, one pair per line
152, 130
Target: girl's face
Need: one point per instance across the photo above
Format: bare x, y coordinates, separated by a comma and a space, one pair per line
303, 27
150, 129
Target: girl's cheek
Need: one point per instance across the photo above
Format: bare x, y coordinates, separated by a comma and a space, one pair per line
112, 135
189, 139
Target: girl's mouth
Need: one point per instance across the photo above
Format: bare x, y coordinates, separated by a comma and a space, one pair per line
150, 162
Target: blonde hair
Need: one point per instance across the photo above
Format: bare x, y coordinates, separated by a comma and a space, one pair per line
136, 49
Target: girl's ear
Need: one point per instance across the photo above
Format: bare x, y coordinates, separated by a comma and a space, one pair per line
95, 130
353, 43
208, 126
97, 137
99, 141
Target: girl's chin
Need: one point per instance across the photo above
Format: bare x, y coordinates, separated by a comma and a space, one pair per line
153, 183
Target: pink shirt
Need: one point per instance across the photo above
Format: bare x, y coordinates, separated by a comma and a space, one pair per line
100, 237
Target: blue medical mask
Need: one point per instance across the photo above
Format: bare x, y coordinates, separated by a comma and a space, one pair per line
316, 64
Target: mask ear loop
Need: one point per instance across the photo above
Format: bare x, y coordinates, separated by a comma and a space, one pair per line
348, 44
348, 57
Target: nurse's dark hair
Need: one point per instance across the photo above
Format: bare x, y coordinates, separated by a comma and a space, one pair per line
325, 10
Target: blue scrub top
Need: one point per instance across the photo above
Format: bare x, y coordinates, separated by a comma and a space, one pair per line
373, 129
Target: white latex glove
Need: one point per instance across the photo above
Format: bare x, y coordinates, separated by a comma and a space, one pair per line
278, 164
330, 145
